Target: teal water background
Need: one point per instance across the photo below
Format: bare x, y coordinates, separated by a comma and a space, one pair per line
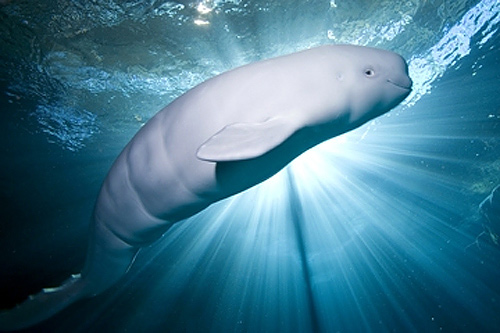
389, 235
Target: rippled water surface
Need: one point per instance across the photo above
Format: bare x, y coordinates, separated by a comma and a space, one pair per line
389, 235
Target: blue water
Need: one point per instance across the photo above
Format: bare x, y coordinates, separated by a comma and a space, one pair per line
380, 231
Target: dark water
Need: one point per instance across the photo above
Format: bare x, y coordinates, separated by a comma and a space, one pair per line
380, 230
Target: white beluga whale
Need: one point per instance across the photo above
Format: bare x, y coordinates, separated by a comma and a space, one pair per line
222, 137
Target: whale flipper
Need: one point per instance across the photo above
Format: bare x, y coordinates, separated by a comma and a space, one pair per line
243, 141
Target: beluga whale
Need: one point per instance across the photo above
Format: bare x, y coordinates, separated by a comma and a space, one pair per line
220, 138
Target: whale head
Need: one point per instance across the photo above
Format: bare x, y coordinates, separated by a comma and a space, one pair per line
375, 81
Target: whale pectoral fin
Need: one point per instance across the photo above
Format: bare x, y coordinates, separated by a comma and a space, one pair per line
243, 141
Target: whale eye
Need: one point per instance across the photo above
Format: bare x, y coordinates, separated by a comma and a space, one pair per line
369, 72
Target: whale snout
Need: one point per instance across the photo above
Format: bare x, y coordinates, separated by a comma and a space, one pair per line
398, 74
403, 82
400, 77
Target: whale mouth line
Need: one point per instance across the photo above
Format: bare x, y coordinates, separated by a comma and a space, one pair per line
403, 86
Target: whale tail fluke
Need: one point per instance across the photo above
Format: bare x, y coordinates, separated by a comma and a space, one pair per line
108, 259
43, 305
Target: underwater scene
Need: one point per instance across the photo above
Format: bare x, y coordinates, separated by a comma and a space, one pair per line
391, 227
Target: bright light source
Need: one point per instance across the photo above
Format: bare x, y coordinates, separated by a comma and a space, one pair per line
203, 8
